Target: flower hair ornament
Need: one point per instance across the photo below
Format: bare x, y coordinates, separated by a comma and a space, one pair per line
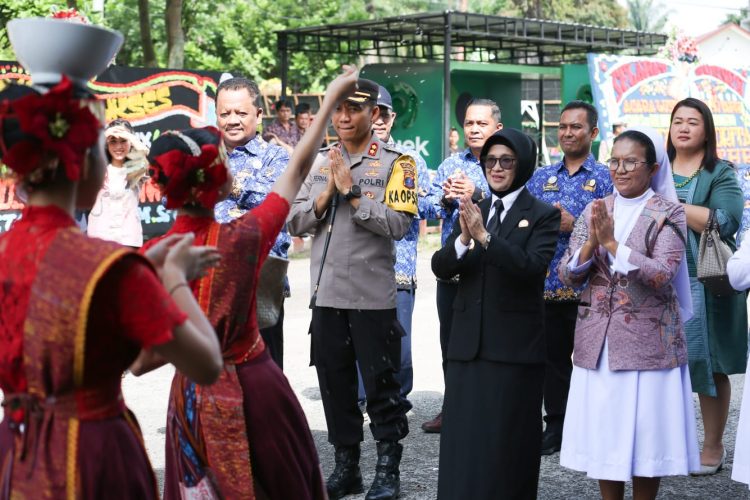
53, 123
192, 178
70, 14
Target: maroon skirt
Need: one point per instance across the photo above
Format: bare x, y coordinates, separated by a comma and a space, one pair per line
282, 451
112, 462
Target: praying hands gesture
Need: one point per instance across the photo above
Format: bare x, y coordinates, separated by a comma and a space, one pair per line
601, 232
339, 181
340, 173
470, 218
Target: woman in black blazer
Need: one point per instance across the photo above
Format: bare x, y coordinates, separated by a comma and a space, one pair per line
501, 249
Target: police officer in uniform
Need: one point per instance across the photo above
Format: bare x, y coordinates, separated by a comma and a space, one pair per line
371, 189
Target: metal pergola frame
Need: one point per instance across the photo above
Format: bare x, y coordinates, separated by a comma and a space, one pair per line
463, 37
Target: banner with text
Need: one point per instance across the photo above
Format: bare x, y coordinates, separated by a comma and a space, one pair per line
642, 90
153, 100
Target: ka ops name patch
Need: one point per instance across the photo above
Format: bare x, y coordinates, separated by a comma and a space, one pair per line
401, 191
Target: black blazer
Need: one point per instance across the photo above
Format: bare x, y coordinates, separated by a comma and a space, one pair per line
498, 314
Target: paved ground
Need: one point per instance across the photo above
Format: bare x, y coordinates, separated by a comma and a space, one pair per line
147, 396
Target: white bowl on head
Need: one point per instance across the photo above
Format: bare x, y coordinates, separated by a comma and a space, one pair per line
49, 48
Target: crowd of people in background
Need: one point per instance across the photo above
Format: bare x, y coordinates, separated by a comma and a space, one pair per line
569, 290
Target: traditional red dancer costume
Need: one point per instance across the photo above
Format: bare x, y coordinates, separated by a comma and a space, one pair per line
74, 314
245, 436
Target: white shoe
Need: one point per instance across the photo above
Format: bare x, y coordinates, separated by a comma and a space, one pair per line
710, 470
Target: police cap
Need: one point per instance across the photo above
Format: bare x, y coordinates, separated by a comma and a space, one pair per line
367, 92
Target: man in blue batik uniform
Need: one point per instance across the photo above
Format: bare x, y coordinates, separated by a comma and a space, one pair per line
458, 175
255, 165
569, 185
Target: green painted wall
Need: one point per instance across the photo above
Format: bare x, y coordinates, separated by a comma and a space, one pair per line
504, 89
417, 91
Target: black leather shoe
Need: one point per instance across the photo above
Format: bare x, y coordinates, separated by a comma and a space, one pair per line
387, 483
551, 442
346, 478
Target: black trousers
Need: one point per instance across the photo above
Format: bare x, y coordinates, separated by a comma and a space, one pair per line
273, 336
559, 326
340, 339
445, 295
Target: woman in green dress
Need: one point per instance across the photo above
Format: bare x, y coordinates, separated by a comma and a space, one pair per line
717, 333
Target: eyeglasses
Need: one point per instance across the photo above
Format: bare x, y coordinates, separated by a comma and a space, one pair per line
627, 165
504, 162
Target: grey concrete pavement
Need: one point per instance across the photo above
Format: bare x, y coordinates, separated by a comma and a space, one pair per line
147, 397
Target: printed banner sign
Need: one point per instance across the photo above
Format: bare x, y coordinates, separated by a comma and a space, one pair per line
642, 90
153, 100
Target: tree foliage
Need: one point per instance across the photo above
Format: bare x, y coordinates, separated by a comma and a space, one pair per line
238, 36
12, 9
606, 13
647, 15
736, 17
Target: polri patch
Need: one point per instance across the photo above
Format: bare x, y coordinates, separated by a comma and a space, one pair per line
401, 192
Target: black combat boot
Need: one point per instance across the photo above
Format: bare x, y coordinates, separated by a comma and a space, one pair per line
346, 479
387, 483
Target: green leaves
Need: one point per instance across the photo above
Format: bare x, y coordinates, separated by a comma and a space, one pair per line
239, 36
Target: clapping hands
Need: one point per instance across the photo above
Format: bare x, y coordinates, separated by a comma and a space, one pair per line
470, 218
458, 185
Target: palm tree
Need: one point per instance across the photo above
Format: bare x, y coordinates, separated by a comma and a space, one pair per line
647, 15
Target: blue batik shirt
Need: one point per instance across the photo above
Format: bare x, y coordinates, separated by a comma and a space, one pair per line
406, 247
743, 175
448, 211
553, 184
255, 167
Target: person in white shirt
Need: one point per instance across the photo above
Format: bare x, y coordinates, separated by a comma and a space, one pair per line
115, 215
738, 269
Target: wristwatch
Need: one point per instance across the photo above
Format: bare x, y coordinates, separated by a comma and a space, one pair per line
487, 239
354, 192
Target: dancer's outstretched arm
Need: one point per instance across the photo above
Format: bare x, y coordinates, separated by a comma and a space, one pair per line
304, 153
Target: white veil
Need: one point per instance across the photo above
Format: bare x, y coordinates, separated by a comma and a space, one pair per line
663, 184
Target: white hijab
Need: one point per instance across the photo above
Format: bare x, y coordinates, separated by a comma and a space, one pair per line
663, 184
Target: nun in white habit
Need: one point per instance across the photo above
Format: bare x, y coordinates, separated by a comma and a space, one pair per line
630, 410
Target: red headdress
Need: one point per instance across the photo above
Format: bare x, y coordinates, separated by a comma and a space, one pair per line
189, 178
53, 123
